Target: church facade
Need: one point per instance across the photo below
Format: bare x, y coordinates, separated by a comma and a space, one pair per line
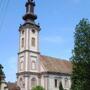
33, 68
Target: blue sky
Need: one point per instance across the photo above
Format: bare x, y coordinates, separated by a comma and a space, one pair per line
57, 19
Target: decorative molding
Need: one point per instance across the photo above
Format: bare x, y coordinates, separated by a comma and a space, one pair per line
43, 73
28, 51
29, 25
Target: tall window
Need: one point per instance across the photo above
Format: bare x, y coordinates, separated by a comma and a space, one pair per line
21, 65
22, 32
55, 82
33, 65
66, 82
33, 42
22, 42
22, 84
33, 82
32, 9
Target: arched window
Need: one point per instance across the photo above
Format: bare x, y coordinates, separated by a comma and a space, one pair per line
22, 83
33, 65
33, 42
21, 65
33, 31
66, 83
55, 83
22, 42
31, 9
22, 32
33, 82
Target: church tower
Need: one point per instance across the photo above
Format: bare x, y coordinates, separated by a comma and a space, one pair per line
28, 56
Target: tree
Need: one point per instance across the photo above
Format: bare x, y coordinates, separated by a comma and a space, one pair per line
2, 76
81, 57
38, 88
60, 86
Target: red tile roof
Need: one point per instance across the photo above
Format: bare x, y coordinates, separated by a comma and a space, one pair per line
52, 64
13, 86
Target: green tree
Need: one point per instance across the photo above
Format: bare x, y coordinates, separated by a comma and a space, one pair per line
2, 76
60, 86
38, 88
81, 57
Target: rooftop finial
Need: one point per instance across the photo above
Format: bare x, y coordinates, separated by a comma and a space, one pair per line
30, 16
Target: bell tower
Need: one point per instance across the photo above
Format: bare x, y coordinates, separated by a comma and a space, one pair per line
28, 56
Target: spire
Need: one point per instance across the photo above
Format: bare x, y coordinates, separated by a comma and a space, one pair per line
30, 16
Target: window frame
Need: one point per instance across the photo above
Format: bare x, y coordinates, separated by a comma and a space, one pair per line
33, 82
55, 82
22, 42
33, 42
66, 82
33, 65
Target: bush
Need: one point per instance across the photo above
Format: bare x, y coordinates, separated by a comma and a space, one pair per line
38, 88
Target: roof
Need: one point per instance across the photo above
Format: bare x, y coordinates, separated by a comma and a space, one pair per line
12, 86
52, 64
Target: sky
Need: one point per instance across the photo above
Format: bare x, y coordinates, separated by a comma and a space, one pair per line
57, 19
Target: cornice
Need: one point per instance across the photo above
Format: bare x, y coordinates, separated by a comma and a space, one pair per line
28, 51
46, 74
29, 25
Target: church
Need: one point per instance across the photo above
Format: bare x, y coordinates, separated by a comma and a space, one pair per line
33, 68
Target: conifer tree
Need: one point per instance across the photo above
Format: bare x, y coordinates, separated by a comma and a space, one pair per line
81, 57
1, 72
2, 76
